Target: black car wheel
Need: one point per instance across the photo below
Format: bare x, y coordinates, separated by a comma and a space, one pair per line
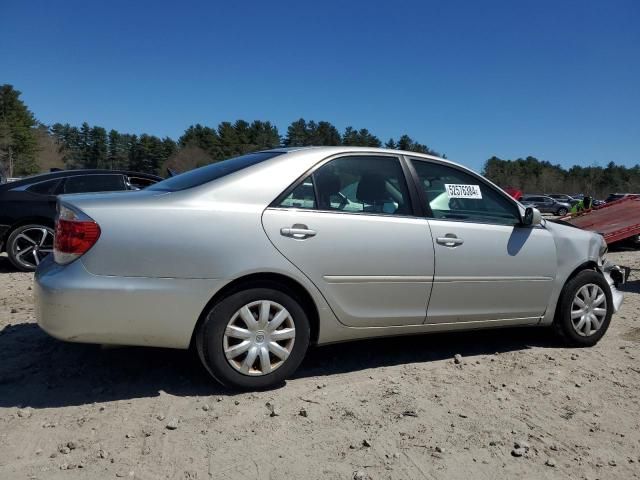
28, 245
253, 339
562, 211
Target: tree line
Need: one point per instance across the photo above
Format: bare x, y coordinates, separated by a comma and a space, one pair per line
532, 175
28, 146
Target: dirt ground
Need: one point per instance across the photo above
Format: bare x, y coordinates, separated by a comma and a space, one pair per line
393, 408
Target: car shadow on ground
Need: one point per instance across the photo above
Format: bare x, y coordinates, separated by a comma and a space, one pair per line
40, 372
632, 286
5, 265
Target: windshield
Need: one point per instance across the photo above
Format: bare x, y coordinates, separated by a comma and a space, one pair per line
208, 173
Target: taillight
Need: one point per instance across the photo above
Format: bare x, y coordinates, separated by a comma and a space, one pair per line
75, 234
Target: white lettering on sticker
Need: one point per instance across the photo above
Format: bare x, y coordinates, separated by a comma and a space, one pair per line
463, 191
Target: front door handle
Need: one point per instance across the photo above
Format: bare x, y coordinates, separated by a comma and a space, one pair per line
298, 231
450, 240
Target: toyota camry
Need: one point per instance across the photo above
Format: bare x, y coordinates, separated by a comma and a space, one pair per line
253, 259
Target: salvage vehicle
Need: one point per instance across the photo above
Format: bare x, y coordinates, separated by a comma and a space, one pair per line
270, 252
28, 208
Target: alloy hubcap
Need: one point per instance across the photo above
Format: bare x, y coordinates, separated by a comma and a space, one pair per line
32, 245
588, 310
259, 338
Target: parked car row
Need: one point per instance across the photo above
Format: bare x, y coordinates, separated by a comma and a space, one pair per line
253, 259
561, 204
28, 207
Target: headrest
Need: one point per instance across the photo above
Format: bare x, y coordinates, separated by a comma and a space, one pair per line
327, 183
372, 189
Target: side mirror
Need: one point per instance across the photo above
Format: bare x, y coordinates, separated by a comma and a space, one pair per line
531, 217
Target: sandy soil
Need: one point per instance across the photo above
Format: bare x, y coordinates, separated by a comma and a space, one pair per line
399, 408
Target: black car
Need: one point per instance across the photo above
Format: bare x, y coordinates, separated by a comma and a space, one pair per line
546, 204
617, 196
28, 207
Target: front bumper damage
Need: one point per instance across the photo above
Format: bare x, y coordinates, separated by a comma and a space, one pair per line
615, 275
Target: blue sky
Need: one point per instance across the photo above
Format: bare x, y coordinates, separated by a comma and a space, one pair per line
559, 79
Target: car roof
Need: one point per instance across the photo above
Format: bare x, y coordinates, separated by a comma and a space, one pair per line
41, 177
346, 149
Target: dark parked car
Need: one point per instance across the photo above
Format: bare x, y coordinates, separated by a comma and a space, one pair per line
617, 196
546, 204
28, 208
561, 197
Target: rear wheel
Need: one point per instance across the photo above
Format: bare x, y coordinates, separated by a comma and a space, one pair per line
253, 339
28, 245
585, 309
562, 211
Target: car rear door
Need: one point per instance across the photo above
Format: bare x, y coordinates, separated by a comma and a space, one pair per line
350, 228
487, 265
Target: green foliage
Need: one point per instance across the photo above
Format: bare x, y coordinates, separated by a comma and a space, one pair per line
91, 146
405, 142
538, 176
30, 147
18, 143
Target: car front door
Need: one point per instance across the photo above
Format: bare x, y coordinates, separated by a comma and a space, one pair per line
487, 265
350, 228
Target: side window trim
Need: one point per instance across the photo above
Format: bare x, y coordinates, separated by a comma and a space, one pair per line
425, 201
416, 211
424, 209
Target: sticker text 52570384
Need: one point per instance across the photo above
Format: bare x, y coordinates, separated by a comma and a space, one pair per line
463, 191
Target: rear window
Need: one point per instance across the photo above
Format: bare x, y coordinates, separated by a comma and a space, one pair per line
44, 188
208, 173
140, 183
94, 183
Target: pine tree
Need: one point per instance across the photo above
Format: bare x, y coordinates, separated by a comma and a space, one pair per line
229, 144
98, 147
263, 135
297, 134
18, 143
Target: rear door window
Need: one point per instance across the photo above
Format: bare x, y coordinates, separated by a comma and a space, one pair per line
94, 183
354, 184
303, 196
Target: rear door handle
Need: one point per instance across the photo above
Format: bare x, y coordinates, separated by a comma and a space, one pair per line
298, 231
449, 240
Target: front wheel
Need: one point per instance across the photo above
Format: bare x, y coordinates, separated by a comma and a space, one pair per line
253, 339
28, 245
585, 309
562, 211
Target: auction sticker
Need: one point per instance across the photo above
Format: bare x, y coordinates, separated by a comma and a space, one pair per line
463, 191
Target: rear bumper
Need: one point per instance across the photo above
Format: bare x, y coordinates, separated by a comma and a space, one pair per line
77, 306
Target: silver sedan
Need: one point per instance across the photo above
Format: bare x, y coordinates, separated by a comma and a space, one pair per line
253, 259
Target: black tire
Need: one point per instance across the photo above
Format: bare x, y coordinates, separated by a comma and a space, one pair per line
562, 211
563, 323
16, 244
210, 337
